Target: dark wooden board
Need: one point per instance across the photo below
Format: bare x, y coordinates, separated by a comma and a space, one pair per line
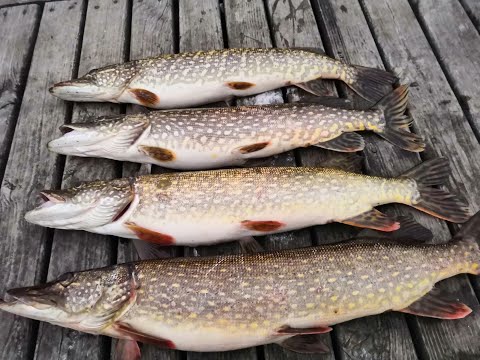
86, 250
439, 117
472, 7
18, 30
31, 167
457, 45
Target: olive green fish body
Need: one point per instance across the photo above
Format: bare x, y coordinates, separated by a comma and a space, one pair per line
207, 138
189, 79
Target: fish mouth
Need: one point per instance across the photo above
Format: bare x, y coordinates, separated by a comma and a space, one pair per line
78, 90
56, 210
78, 140
36, 296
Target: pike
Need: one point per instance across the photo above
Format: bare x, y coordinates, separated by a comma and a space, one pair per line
216, 137
198, 208
230, 302
190, 79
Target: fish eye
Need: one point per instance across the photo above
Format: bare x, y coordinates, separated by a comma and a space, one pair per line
66, 279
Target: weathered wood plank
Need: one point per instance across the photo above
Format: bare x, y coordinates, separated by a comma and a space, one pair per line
440, 119
31, 167
151, 34
200, 28
349, 39
83, 249
17, 31
457, 46
472, 7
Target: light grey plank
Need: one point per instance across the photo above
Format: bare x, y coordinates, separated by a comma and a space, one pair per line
472, 8
31, 167
457, 46
76, 250
439, 118
17, 33
151, 34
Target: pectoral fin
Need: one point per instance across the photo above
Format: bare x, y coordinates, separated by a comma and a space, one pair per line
347, 142
305, 344
438, 304
127, 350
130, 332
373, 219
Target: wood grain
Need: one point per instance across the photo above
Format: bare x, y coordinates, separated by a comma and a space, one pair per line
438, 117
457, 45
472, 7
17, 31
31, 167
86, 250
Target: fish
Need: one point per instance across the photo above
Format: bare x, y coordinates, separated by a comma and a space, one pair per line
190, 79
230, 302
208, 207
197, 139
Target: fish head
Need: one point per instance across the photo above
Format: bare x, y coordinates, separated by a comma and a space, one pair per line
84, 300
109, 136
103, 84
83, 207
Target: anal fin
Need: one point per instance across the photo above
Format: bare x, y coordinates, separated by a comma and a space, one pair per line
318, 87
250, 246
438, 304
350, 162
346, 142
306, 344
373, 219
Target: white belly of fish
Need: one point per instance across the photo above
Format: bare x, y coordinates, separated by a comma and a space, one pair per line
193, 94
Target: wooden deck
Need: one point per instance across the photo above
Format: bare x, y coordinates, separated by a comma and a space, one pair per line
432, 44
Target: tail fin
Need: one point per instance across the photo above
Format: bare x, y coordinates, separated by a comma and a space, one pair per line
372, 84
433, 201
470, 231
393, 106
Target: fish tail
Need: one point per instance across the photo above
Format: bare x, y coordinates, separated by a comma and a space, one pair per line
393, 106
370, 83
470, 231
469, 236
434, 201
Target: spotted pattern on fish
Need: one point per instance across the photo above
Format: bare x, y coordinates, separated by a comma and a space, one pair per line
314, 286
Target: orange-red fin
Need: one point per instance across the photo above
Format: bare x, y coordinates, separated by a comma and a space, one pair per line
306, 344
144, 338
149, 235
373, 219
145, 97
262, 226
240, 85
287, 330
247, 149
437, 304
127, 350
158, 153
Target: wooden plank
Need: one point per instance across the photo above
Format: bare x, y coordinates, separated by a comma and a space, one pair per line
201, 29
457, 45
447, 132
17, 31
151, 34
76, 250
31, 167
472, 7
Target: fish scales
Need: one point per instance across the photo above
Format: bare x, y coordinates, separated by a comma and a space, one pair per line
206, 138
208, 207
189, 79
230, 302
309, 287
